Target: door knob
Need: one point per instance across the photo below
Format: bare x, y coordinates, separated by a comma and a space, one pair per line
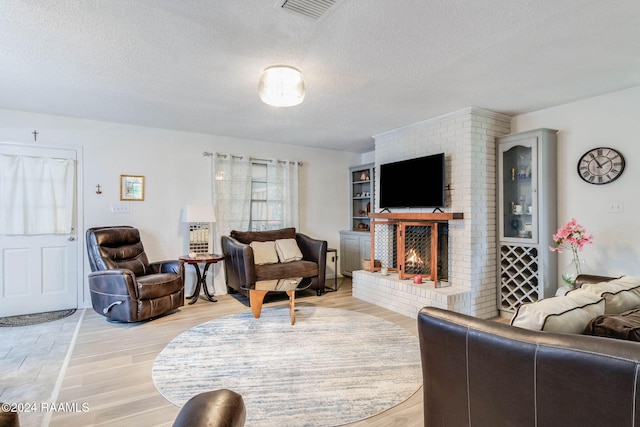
71, 238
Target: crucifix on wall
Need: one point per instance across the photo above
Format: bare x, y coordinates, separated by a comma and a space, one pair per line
35, 135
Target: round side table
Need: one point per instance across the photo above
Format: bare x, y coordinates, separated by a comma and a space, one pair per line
201, 278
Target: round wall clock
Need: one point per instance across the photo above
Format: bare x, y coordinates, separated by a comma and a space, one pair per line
601, 165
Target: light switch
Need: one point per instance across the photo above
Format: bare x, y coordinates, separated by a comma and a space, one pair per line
120, 208
616, 207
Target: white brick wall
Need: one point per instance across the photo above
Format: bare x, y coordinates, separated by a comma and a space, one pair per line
467, 138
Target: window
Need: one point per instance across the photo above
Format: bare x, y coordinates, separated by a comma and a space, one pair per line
262, 216
254, 194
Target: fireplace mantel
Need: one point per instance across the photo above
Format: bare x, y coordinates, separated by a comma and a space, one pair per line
419, 216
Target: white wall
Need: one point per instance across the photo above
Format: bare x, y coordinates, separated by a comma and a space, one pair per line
176, 173
611, 120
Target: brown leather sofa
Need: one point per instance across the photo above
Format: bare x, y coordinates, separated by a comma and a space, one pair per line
483, 373
9, 419
124, 286
218, 408
241, 270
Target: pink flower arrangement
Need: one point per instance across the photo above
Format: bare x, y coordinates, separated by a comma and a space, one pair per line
571, 236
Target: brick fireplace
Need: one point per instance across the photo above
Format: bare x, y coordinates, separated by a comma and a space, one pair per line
467, 138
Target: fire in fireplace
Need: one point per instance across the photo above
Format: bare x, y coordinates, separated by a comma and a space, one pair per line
414, 262
416, 239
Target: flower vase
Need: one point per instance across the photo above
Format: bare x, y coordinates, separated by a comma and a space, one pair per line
572, 270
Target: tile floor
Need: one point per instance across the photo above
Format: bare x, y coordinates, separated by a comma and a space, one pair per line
32, 359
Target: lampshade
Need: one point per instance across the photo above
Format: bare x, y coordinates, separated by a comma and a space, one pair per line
198, 213
281, 86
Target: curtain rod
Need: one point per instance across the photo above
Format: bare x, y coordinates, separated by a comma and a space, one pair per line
208, 154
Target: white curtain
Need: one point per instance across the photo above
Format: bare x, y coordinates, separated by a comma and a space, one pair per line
231, 192
282, 192
36, 195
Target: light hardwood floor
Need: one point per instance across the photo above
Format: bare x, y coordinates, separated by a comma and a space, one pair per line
110, 367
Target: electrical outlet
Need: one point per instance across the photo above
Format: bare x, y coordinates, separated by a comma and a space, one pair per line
616, 207
120, 208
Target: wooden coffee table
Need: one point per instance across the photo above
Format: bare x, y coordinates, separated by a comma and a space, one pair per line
258, 290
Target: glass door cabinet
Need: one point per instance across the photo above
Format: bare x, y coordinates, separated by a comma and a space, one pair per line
527, 270
518, 179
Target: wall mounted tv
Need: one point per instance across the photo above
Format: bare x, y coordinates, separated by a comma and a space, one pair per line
413, 183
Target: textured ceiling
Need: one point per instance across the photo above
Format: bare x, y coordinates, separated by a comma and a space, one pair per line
369, 65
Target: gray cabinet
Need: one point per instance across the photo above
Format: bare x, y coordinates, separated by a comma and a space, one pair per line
526, 195
354, 246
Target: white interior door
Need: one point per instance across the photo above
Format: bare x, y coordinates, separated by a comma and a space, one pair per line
39, 272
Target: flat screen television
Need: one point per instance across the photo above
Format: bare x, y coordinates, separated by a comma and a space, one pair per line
413, 183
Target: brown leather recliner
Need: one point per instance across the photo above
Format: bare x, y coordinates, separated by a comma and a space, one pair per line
124, 285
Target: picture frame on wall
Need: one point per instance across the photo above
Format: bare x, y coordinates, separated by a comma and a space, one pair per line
132, 187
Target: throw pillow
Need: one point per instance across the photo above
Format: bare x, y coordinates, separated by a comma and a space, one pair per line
288, 250
264, 253
624, 326
620, 295
568, 314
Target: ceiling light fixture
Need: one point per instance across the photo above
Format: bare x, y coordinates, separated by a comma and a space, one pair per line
281, 86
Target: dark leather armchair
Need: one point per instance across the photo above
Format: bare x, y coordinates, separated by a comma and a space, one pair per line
217, 408
124, 285
241, 270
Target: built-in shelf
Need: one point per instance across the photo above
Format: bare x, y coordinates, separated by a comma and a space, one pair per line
361, 196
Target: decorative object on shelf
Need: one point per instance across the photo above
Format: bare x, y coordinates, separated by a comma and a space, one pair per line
601, 165
132, 187
281, 86
572, 236
366, 264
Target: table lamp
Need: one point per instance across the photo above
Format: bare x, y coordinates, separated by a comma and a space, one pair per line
200, 219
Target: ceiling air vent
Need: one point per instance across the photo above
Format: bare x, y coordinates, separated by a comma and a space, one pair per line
313, 9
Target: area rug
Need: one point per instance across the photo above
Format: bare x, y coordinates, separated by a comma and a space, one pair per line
332, 368
35, 318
